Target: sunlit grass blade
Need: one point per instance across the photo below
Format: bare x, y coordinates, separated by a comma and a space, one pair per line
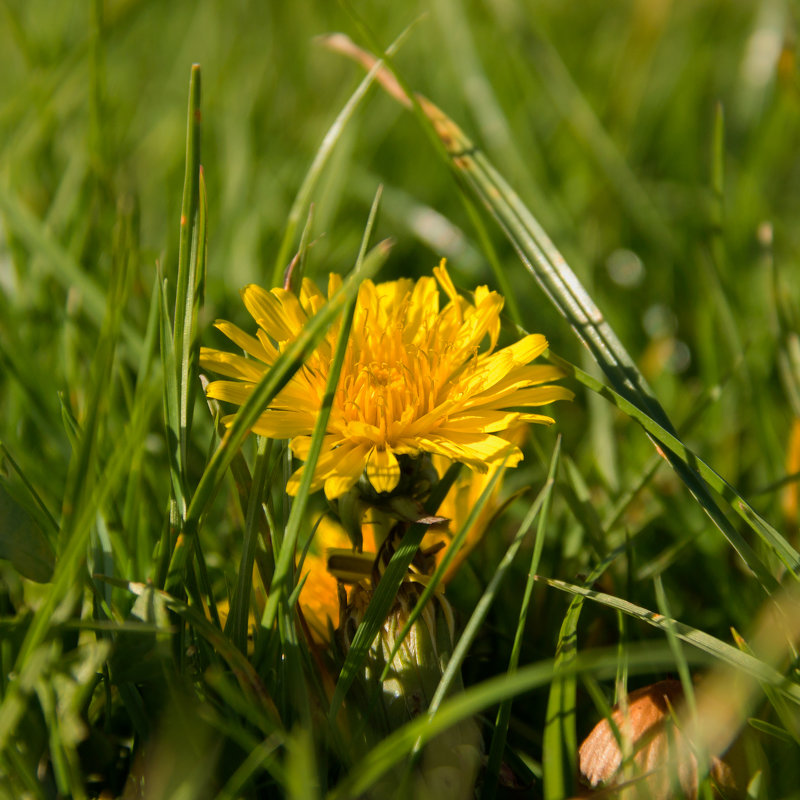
280, 586
177, 329
503, 718
692, 636
323, 154
289, 361
478, 616
190, 281
680, 661
556, 278
670, 443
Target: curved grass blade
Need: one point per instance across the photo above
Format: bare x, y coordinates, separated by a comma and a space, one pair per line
179, 344
476, 620
697, 638
187, 338
280, 586
321, 158
557, 280
273, 381
777, 543
504, 712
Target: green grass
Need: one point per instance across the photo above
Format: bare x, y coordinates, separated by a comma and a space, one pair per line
651, 147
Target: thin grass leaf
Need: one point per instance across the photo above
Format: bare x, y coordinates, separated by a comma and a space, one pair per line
696, 638
238, 618
478, 616
179, 342
680, 661
670, 443
289, 361
189, 206
323, 154
171, 391
280, 586
504, 712
187, 337
560, 742
556, 278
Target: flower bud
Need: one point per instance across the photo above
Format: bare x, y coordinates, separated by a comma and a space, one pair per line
449, 763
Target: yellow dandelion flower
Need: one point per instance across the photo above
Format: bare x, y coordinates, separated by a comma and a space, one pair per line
415, 379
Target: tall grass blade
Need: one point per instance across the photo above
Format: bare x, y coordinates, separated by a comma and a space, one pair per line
696, 638
504, 712
478, 616
771, 537
273, 381
323, 154
280, 586
556, 278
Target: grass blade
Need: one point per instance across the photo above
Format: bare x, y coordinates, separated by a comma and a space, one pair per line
557, 280
280, 586
273, 381
702, 641
321, 158
504, 712
476, 620
777, 543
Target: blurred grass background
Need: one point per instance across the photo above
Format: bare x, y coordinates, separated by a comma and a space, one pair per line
655, 140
